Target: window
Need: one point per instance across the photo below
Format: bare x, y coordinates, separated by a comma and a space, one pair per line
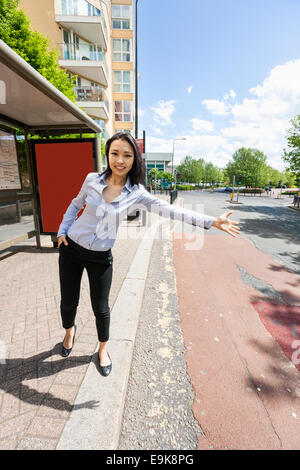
121, 16
122, 50
122, 81
123, 110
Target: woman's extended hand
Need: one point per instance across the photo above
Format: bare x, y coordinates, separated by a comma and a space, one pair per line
62, 239
224, 223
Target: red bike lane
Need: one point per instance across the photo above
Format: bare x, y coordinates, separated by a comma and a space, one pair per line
242, 347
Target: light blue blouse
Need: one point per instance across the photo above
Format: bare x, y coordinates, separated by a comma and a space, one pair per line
96, 228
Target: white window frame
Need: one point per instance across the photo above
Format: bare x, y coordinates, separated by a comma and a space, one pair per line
121, 18
122, 83
122, 52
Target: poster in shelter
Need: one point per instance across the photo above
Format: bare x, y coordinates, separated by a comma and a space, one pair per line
9, 170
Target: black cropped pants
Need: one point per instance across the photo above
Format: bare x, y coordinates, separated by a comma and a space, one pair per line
72, 260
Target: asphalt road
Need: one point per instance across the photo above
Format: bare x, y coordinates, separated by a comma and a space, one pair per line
239, 305
267, 222
232, 313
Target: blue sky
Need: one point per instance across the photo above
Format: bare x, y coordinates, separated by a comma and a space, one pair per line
222, 73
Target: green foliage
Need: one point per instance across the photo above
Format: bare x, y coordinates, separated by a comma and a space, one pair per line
194, 171
252, 191
32, 46
292, 155
166, 175
250, 164
153, 174
186, 187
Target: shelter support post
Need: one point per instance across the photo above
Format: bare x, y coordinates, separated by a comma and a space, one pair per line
33, 191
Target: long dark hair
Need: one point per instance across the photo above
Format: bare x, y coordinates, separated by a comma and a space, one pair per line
138, 169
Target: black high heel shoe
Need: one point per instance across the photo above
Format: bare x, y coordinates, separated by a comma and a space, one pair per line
64, 351
105, 370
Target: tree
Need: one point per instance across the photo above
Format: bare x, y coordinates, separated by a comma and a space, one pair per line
292, 155
189, 170
250, 164
153, 173
32, 46
166, 175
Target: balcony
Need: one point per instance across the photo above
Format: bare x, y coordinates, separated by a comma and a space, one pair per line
86, 60
89, 27
84, 19
93, 101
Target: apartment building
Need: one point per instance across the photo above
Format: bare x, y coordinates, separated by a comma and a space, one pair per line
95, 42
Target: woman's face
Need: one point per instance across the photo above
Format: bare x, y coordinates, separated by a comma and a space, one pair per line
120, 157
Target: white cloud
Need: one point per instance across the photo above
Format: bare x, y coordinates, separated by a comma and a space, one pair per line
141, 112
214, 148
216, 107
262, 121
157, 130
163, 112
189, 90
231, 94
202, 125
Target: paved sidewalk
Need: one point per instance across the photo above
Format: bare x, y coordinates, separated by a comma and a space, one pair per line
37, 386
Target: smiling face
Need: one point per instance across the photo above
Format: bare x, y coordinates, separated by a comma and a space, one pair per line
121, 157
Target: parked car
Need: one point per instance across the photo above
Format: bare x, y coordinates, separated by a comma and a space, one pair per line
228, 189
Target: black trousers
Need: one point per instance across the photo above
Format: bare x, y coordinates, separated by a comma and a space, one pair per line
72, 260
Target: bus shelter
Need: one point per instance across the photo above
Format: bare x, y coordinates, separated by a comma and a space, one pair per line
56, 167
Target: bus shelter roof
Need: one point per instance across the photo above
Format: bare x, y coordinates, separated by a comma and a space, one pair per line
29, 101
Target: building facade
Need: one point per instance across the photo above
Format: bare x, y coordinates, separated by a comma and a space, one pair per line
160, 160
95, 42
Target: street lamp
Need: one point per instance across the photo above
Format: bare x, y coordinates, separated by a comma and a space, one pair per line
174, 140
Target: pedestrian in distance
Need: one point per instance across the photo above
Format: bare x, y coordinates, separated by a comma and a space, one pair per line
85, 242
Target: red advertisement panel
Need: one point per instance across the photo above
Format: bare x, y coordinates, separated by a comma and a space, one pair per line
61, 168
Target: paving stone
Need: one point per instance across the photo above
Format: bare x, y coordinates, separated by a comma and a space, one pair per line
36, 443
48, 428
8, 444
38, 386
16, 426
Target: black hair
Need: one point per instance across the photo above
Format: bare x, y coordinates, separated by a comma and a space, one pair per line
138, 169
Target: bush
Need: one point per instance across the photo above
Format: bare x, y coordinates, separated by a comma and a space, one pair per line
290, 193
252, 191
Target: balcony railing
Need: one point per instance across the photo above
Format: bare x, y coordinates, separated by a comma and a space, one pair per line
79, 7
81, 52
90, 93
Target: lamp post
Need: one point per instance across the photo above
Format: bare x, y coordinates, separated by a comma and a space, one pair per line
174, 140
136, 71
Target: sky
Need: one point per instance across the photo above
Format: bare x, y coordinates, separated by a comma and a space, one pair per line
224, 74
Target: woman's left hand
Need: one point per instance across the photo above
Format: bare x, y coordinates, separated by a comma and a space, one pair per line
224, 223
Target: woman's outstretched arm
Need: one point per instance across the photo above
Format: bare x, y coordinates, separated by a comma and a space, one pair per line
165, 209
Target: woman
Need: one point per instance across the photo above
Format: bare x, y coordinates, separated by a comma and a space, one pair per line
86, 241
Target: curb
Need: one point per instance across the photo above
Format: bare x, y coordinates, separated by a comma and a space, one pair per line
97, 425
